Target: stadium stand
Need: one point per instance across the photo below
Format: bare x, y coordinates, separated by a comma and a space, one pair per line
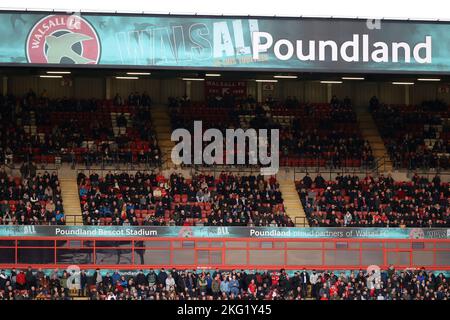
36, 128
88, 181
324, 135
375, 202
151, 199
118, 130
175, 284
416, 136
311, 135
33, 199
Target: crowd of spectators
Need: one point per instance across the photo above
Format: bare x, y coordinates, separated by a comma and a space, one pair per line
33, 199
151, 199
415, 136
134, 99
172, 284
349, 201
175, 103
75, 130
329, 133
325, 135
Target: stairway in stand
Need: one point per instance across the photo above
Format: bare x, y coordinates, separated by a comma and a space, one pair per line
73, 293
292, 203
163, 128
71, 200
370, 133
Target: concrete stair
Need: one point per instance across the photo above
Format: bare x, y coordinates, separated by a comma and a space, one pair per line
370, 133
73, 293
163, 129
71, 201
292, 203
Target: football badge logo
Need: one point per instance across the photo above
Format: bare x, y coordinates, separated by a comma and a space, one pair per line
416, 233
63, 39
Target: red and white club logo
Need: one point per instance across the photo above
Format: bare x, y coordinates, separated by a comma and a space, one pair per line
63, 39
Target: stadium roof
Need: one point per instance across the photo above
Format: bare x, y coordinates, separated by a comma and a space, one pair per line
380, 9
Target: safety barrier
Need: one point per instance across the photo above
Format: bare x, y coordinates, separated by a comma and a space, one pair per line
225, 253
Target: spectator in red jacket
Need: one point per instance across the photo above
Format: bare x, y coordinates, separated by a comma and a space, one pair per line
21, 280
275, 279
252, 288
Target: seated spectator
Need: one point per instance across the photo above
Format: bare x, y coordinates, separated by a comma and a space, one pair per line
32, 201
325, 135
353, 202
227, 284
415, 136
77, 131
152, 199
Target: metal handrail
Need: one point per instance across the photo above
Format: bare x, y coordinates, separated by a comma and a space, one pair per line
301, 222
104, 165
216, 170
73, 219
380, 163
299, 172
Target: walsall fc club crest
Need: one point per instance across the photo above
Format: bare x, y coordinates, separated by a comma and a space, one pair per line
65, 39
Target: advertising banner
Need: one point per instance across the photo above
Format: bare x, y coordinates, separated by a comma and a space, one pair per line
196, 42
214, 88
222, 232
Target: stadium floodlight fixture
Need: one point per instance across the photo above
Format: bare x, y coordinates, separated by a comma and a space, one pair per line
352, 78
428, 79
331, 82
212, 74
403, 83
265, 80
193, 79
127, 78
138, 73
59, 72
285, 77
50, 76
